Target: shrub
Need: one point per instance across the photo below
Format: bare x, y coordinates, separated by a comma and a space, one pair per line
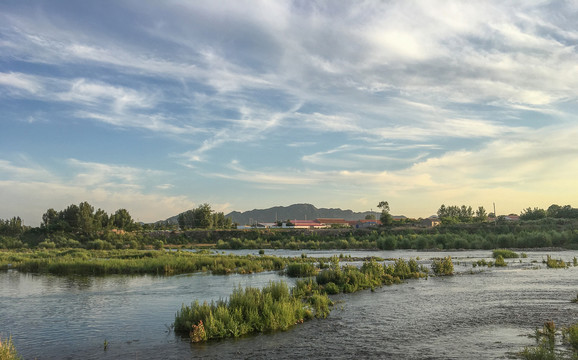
443, 266
553, 263
500, 261
505, 254
249, 310
570, 336
7, 350
301, 270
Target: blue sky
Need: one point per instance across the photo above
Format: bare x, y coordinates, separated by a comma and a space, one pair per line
159, 106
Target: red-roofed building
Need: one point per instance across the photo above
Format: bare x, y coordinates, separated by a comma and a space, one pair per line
307, 224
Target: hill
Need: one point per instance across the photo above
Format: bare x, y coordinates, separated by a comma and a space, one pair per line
295, 211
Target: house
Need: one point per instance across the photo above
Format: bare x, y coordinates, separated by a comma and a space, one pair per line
331, 222
364, 223
307, 224
430, 222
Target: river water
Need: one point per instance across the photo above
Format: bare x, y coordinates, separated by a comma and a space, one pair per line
481, 313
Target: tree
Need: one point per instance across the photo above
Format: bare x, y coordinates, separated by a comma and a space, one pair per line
204, 216
383, 205
86, 218
553, 210
385, 217
49, 219
70, 216
122, 219
370, 217
532, 214
481, 215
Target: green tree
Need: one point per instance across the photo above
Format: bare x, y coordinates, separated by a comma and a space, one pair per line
370, 217
122, 219
204, 216
385, 217
71, 216
481, 215
86, 218
532, 214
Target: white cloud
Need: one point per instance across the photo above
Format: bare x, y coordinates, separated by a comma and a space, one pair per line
20, 81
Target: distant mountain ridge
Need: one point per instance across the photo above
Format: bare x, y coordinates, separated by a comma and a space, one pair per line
295, 212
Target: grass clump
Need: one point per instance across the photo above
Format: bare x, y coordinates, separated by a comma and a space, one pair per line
249, 310
301, 270
106, 262
547, 348
504, 253
7, 350
555, 264
372, 274
500, 261
443, 266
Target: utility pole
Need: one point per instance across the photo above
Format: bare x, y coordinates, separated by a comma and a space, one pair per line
495, 216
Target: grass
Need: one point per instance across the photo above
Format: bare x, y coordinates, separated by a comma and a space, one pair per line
546, 347
500, 261
505, 253
295, 269
7, 350
106, 262
443, 266
249, 310
275, 307
555, 264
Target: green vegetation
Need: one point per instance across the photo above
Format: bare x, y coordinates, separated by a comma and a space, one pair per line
546, 347
443, 266
555, 264
505, 254
7, 350
295, 269
500, 261
81, 226
252, 310
105, 262
249, 310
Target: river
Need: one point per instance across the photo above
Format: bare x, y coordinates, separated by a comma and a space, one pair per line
481, 313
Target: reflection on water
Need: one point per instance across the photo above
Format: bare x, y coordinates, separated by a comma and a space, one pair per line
464, 316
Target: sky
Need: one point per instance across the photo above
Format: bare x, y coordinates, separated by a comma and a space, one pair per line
160, 106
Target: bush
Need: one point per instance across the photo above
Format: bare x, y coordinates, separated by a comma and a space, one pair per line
443, 266
7, 350
249, 310
505, 254
500, 261
301, 270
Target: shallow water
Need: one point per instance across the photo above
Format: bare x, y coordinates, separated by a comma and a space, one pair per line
481, 315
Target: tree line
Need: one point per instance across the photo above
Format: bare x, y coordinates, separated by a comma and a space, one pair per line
203, 217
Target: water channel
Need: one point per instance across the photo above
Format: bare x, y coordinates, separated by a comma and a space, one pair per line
481, 313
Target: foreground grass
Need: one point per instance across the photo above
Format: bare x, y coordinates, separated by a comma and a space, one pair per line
107, 262
248, 311
276, 307
547, 349
7, 350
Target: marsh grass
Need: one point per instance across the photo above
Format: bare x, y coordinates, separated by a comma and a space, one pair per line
303, 269
443, 266
106, 262
555, 264
505, 254
547, 346
7, 350
500, 261
249, 310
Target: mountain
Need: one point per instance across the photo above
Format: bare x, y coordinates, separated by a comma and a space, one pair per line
295, 212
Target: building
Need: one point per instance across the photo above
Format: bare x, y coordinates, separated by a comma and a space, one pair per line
333, 222
306, 224
430, 222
